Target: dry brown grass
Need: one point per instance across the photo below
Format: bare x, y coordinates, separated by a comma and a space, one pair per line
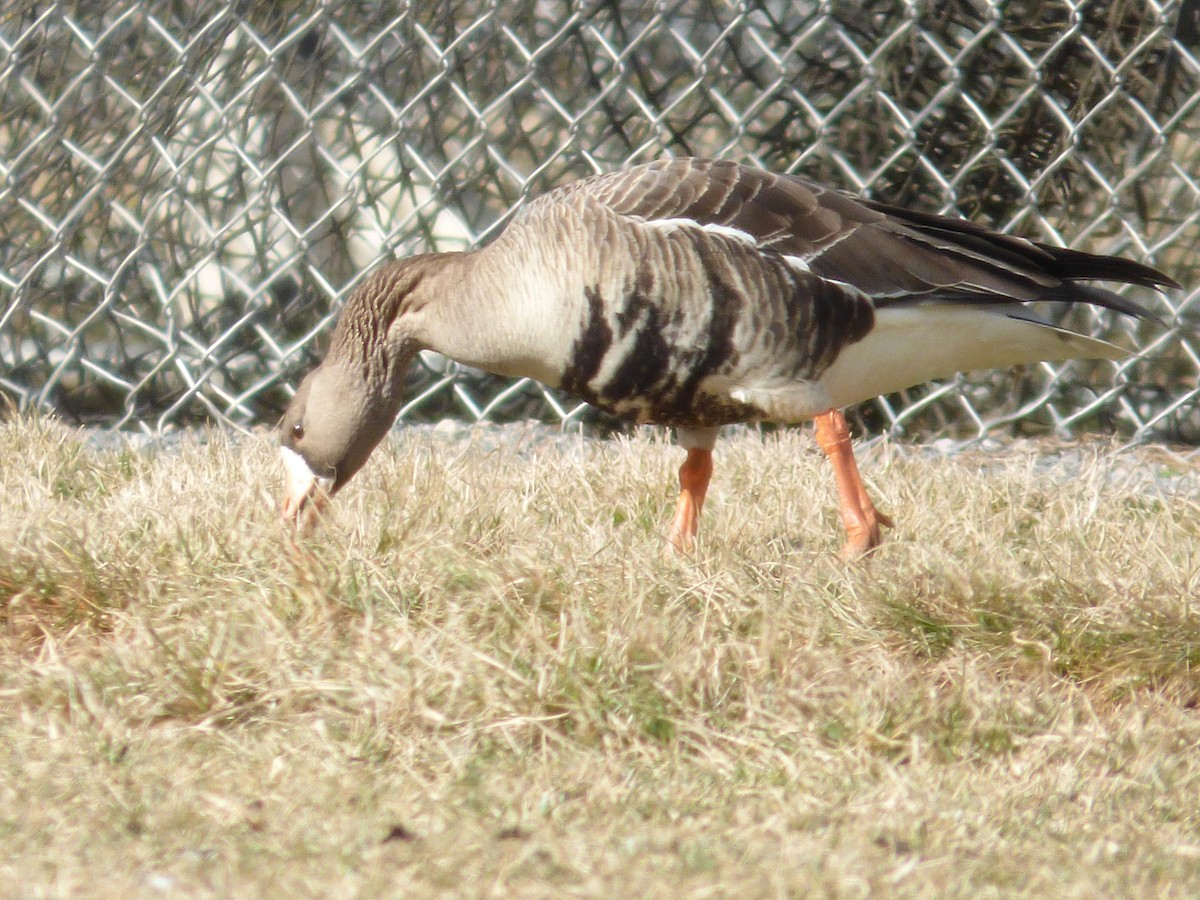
482, 675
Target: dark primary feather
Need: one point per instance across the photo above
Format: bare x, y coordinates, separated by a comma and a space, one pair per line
891, 254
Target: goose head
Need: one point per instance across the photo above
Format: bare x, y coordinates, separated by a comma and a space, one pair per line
330, 428
345, 406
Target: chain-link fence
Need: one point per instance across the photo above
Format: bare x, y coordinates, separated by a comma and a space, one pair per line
190, 190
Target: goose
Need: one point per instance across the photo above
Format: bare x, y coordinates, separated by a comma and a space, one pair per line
697, 293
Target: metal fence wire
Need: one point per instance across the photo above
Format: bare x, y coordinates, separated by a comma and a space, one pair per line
190, 190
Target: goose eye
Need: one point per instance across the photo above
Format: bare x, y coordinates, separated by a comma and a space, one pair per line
298, 431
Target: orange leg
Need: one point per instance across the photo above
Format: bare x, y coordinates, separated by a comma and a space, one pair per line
859, 515
694, 476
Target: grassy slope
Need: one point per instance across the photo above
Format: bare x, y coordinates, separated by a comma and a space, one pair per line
483, 674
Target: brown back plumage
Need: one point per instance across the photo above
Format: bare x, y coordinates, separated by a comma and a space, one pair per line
891, 254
